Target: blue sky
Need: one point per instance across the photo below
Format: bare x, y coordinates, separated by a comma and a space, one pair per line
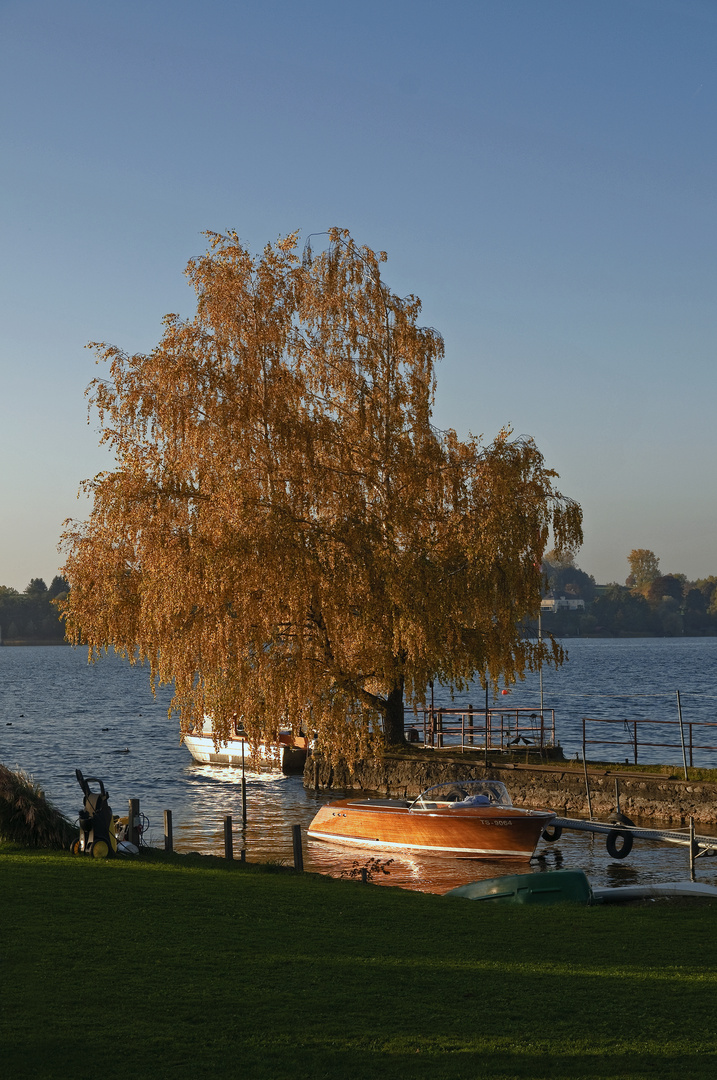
540, 172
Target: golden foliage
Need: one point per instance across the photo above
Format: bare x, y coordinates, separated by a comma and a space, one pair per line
644, 569
285, 535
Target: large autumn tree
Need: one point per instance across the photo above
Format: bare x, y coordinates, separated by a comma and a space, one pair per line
285, 534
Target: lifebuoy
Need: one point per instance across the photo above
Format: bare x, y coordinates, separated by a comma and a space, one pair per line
551, 833
618, 844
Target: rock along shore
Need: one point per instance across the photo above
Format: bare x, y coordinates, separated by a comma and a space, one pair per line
559, 787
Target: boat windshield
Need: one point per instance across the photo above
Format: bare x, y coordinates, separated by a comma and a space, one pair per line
463, 794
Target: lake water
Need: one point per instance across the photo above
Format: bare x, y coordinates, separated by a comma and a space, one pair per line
57, 714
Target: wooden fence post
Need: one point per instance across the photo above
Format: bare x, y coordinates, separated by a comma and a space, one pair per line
228, 841
168, 837
298, 853
133, 833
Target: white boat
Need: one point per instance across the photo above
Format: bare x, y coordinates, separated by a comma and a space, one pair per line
288, 755
656, 890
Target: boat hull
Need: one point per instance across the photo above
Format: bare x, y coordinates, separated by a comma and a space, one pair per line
290, 760
553, 887
474, 833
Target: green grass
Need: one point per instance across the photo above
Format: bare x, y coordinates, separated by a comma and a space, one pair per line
162, 967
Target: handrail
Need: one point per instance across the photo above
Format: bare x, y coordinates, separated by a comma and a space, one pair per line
632, 727
499, 729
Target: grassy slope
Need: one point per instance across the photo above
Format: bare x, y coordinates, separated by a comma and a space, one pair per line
185, 967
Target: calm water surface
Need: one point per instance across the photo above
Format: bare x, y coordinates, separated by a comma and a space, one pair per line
57, 714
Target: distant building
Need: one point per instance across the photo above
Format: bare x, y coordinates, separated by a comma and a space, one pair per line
562, 603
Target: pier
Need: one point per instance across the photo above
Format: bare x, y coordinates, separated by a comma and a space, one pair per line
706, 845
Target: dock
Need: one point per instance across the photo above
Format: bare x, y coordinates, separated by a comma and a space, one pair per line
619, 836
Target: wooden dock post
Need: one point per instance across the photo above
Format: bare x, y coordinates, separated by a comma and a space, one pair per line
168, 837
298, 853
682, 736
133, 833
693, 849
587, 785
243, 787
228, 841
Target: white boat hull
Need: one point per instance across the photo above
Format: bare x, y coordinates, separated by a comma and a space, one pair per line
288, 759
618, 893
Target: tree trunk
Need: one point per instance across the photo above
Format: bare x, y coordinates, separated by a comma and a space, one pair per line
393, 717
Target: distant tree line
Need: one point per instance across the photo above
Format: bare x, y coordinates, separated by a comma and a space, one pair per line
649, 604
31, 616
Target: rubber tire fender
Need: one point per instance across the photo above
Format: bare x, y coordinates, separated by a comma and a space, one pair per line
551, 833
616, 850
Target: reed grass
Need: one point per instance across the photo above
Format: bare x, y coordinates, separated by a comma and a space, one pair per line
171, 966
27, 817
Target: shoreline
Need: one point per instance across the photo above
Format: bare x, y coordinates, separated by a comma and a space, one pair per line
558, 786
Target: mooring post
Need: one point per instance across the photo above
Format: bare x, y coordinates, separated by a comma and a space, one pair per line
133, 822
587, 785
298, 853
682, 735
364, 875
242, 855
487, 723
228, 839
243, 788
693, 847
168, 838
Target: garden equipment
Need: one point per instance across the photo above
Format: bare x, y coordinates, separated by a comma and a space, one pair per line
97, 837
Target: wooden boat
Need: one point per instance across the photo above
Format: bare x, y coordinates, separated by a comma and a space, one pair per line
472, 819
287, 755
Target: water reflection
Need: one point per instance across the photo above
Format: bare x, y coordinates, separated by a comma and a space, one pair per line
58, 714
275, 803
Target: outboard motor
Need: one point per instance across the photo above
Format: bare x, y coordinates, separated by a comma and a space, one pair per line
97, 836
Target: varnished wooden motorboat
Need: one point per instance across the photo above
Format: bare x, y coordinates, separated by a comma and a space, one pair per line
472, 819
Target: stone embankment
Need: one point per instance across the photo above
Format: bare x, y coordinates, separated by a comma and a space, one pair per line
562, 788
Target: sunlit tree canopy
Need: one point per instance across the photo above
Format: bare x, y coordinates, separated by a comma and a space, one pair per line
644, 568
285, 535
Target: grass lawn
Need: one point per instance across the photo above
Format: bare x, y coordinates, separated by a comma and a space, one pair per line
172, 967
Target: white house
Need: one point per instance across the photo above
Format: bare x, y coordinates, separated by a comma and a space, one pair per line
562, 603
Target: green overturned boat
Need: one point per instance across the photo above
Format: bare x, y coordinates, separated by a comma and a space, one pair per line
550, 887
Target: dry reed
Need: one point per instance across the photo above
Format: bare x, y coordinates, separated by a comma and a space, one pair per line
27, 817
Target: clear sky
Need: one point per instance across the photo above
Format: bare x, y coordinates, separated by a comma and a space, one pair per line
542, 173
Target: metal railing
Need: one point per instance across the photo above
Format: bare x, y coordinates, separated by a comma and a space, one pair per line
637, 738
473, 729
